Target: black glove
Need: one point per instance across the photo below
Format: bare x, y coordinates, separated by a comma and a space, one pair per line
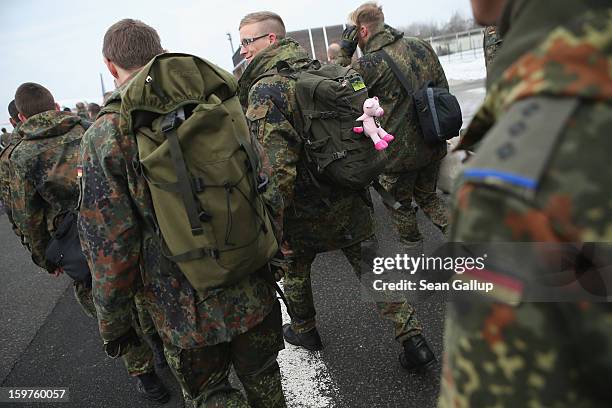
118, 347
349, 40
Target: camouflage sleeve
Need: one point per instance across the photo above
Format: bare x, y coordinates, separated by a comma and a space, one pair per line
29, 213
108, 226
5, 194
271, 196
562, 208
569, 206
268, 111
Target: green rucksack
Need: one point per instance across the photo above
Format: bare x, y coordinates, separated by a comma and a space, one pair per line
197, 157
330, 98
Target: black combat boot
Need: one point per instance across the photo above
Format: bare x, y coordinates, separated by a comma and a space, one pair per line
310, 340
151, 388
417, 354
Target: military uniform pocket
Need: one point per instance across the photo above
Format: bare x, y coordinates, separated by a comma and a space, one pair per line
256, 115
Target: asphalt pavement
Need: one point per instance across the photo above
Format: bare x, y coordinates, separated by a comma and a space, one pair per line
47, 341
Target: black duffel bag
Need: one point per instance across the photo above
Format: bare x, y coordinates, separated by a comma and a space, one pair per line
64, 250
438, 110
439, 113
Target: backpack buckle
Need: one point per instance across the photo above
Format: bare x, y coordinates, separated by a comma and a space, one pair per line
198, 185
262, 183
197, 231
203, 216
172, 120
339, 155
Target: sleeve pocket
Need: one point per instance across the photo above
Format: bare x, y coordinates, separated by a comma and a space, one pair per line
256, 115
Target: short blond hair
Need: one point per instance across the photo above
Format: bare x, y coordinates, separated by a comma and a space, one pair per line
369, 14
272, 22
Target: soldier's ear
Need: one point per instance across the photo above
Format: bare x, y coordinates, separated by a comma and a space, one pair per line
111, 68
363, 31
22, 118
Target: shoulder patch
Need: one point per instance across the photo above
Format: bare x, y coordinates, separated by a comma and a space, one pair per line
516, 151
257, 112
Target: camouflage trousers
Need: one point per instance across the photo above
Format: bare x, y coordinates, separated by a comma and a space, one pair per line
138, 360
419, 184
203, 372
298, 291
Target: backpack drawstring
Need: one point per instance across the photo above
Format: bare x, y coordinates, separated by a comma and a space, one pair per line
228, 229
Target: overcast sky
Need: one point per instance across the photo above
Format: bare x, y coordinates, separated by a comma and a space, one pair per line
58, 43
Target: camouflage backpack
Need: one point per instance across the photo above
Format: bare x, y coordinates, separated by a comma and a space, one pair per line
196, 155
329, 99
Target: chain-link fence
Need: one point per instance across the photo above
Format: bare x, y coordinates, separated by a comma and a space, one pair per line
457, 43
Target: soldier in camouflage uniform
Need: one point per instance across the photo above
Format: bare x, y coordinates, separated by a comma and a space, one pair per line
45, 184
14, 120
4, 138
333, 52
204, 334
82, 111
491, 43
314, 222
92, 110
412, 171
5, 170
550, 86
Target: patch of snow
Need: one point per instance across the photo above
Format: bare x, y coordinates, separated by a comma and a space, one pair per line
464, 66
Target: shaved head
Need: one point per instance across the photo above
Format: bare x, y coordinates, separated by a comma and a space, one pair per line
333, 51
267, 21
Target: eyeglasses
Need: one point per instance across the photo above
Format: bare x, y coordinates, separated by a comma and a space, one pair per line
248, 41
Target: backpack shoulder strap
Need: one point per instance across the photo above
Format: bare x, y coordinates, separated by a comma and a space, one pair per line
281, 68
396, 71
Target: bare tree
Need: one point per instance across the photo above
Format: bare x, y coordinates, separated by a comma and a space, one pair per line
455, 24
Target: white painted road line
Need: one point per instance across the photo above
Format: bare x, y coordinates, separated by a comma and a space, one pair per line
306, 379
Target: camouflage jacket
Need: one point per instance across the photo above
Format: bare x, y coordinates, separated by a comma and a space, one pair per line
310, 224
116, 230
491, 43
44, 181
6, 175
419, 63
83, 114
5, 139
546, 354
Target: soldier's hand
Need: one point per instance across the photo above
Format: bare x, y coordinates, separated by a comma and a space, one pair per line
121, 345
281, 262
349, 40
58, 272
279, 266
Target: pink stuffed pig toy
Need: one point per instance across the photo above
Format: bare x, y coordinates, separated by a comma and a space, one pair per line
372, 110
